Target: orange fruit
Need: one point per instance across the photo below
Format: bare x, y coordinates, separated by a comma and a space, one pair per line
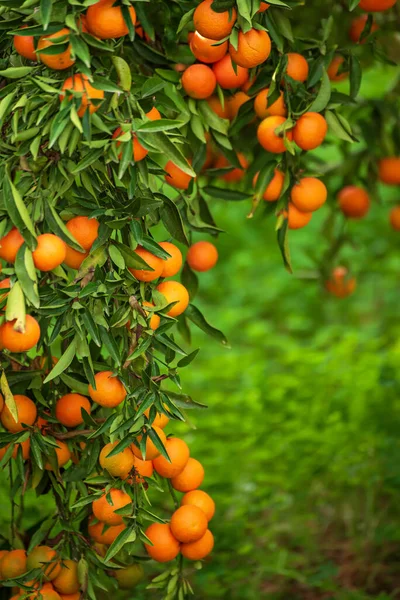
226, 77
310, 131
267, 137
68, 409
171, 265
178, 453
144, 468
63, 454
104, 511
151, 451
199, 81
165, 546
389, 170
130, 576
154, 319
296, 218
235, 102
333, 69
160, 420
216, 106
176, 177
206, 50
45, 558
297, 67
263, 7
109, 392
58, 62
263, 109
84, 230
26, 446
274, 188
2, 554
1, 402
27, 413
16, 341
199, 549
309, 194
211, 24
357, 27
153, 261
13, 564
201, 500
253, 48
235, 174
10, 244
139, 152
340, 284
188, 523
376, 5
73, 258
80, 83
96, 531
202, 256
106, 21
119, 464
395, 218
190, 478
76, 596
67, 581
173, 291
25, 45
353, 202
50, 252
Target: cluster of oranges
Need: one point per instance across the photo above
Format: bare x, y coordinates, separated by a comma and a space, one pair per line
52, 251
58, 579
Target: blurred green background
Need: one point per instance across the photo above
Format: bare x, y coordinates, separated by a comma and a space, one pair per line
301, 440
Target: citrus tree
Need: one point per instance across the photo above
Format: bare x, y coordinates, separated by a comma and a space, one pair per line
122, 123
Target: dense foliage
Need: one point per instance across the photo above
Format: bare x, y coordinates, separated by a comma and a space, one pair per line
113, 145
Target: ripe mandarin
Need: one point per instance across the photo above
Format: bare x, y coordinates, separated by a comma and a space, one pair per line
263, 109
310, 131
274, 188
10, 244
171, 265
60, 61
119, 464
178, 453
68, 409
201, 500
104, 510
269, 139
202, 256
296, 218
106, 21
253, 48
190, 478
309, 194
199, 549
212, 24
207, 50
173, 291
188, 523
176, 177
199, 81
154, 262
109, 392
353, 202
50, 252
80, 83
226, 76
165, 546
26, 414
151, 451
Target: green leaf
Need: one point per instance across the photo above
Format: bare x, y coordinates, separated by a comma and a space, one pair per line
45, 12
339, 126
116, 257
89, 159
225, 194
64, 362
26, 273
213, 120
8, 396
124, 72
324, 94
189, 280
160, 142
353, 4
14, 203
284, 26
75, 385
282, 235
126, 536
16, 72
58, 227
110, 345
185, 20
355, 76
193, 313
186, 360
172, 220
80, 49
244, 10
